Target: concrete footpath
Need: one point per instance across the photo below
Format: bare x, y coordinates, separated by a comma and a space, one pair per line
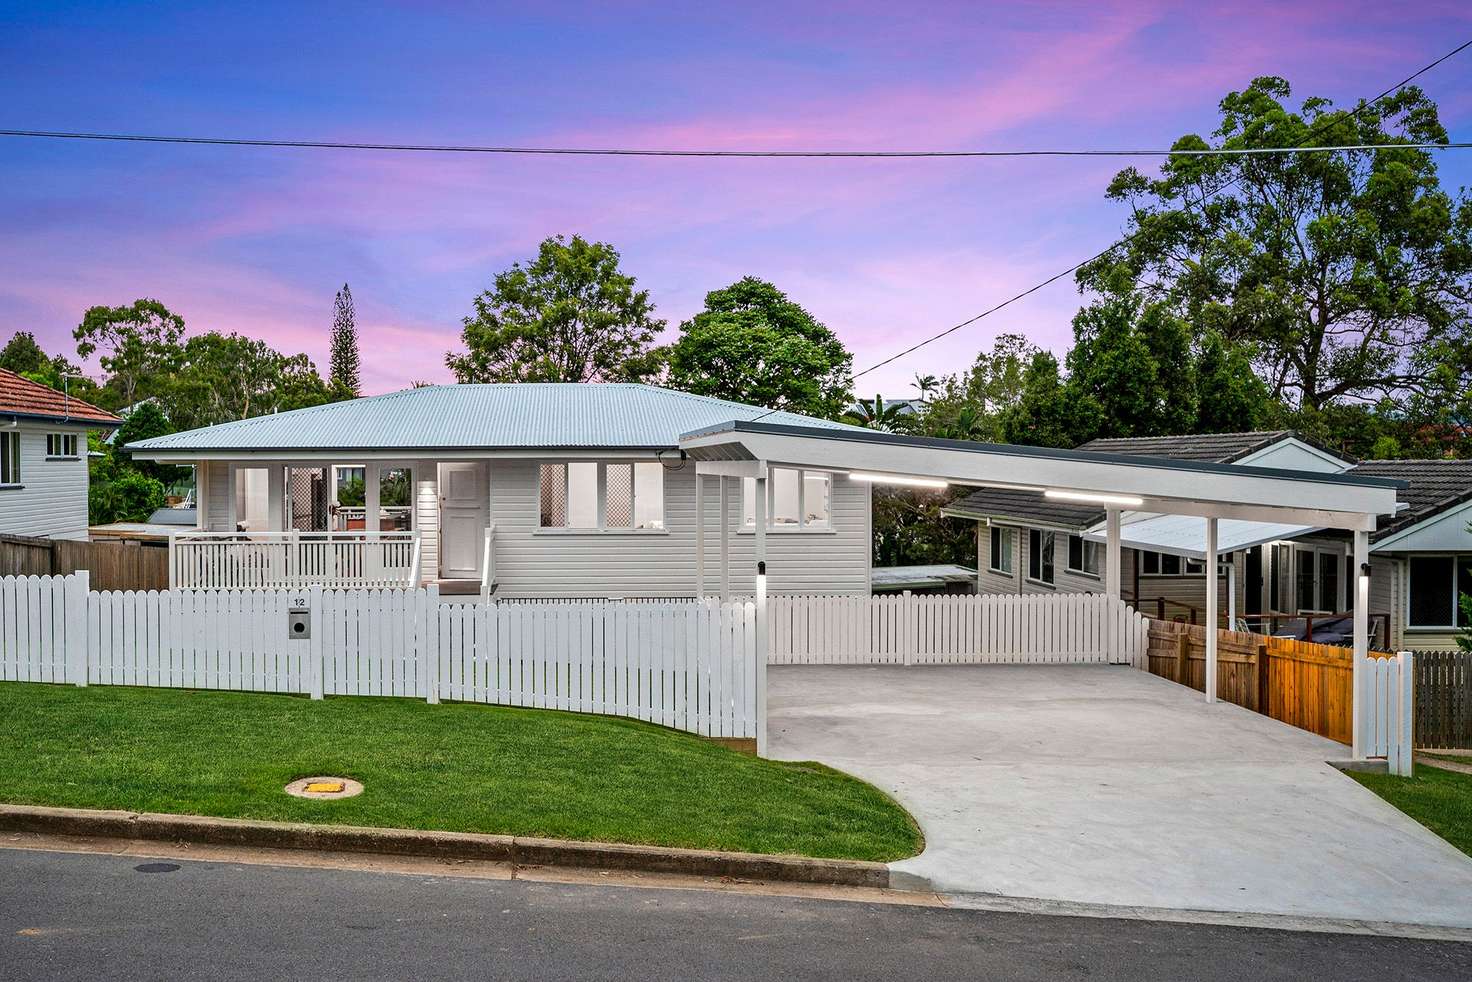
1095, 788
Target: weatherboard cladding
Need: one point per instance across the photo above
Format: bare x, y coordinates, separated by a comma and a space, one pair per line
482, 417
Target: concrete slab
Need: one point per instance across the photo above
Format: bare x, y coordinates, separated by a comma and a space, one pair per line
1106, 785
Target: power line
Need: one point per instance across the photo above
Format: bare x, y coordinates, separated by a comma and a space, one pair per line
1132, 236
654, 152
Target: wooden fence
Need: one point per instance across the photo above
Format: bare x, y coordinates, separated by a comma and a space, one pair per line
112, 565
689, 666
1444, 700
1306, 685
904, 629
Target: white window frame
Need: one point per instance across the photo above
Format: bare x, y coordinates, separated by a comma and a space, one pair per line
1035, 555
1317, 552
10, 469
602, 528
999, 534
748, 490
1456, 558
1087, 547
56, 446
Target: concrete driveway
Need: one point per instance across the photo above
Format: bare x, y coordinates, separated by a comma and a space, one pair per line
1106, 785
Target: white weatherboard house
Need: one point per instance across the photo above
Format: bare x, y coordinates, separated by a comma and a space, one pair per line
43, 458
627, 492
555, 490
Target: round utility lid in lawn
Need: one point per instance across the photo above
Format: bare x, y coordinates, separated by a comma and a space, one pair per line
324, 787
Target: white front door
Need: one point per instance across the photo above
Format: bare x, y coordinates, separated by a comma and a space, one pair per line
464, 514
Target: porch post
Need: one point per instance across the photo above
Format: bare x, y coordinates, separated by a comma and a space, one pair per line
725, 538
1231, 593
700, 536
372, 488
1211, 588
276, 497
1361, 643
1111, 557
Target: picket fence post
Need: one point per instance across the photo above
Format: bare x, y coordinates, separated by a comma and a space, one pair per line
77, 587
314, 645
428, 653
908, 632
1405, 726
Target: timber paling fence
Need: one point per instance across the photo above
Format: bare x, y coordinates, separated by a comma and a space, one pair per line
1444, 700
111, 565
1300, 683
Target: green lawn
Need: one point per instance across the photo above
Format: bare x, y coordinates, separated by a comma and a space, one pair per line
1440, 800
456, 767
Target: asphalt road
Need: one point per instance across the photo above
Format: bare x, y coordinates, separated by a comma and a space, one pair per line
75, 916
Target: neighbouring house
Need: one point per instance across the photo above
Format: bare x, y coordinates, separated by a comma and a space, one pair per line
43, 458
1278, 576
934, 578
554, 490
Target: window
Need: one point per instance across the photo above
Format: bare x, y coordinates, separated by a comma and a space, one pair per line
395, 499
1164, 564
796, 499
633, 495
1316, 579
1083, 555
1436, 584
1001, 561
9, 458
61, 444
1040, 555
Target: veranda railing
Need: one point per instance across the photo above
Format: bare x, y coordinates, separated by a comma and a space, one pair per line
269, 560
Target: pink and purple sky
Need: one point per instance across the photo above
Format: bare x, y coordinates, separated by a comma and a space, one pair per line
885, 252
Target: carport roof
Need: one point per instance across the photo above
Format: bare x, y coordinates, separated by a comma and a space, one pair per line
1166, 485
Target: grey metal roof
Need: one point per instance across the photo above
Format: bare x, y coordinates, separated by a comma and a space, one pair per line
526, 415
1432, 486
886, 578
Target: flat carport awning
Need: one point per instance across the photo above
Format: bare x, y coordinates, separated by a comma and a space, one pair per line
1116, 481
1185, 535
1210, 492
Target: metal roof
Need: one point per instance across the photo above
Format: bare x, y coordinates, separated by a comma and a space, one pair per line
1185, 535
513, 415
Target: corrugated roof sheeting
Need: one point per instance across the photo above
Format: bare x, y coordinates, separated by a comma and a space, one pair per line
1185, 535
492, 416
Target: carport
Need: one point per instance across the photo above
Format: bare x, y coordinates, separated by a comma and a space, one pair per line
1215, 492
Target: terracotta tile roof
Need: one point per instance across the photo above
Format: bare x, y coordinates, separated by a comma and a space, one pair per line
21, 397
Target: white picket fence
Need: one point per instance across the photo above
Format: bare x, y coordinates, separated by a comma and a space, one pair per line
692, 667
1390, 710
954, 629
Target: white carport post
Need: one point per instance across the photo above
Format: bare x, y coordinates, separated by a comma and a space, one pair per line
1361, 642
760, 532
1231, 593
1211, 600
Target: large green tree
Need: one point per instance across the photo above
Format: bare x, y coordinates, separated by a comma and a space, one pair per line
1046, 413
223, 377
137, 346
1344, 272
753, 344
569, 315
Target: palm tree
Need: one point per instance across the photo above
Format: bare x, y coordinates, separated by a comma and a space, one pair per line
877, 415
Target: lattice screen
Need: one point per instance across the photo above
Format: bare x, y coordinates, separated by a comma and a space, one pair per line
554, 496
306, 490
618, 501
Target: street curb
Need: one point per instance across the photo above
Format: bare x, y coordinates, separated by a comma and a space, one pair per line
516, 850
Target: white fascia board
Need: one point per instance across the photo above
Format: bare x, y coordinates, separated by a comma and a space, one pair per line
1238, 492
428, 453
732, 468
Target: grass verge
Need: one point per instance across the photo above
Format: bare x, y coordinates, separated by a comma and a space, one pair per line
464, 768
1438, 799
